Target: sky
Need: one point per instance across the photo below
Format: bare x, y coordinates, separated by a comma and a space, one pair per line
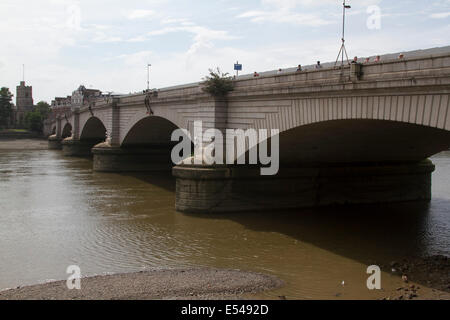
107, 44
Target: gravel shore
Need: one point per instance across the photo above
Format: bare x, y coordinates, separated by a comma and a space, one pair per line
198, 284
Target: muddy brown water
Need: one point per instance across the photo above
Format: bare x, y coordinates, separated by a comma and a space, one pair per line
56, 212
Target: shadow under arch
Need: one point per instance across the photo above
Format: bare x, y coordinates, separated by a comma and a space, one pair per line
67, 131
358, 141
151, 131
361, 141
94, 131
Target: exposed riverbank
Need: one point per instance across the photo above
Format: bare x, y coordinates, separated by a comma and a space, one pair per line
195, 284
432, 272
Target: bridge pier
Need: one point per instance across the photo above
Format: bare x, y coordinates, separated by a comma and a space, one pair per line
54, 143
109, 158
214, 189
78, 148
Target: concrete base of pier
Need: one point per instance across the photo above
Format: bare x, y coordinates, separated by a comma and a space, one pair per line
202, 189
77, 148
54, 143
116, 159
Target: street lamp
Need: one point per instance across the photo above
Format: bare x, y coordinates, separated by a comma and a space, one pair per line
343, 51
148, 76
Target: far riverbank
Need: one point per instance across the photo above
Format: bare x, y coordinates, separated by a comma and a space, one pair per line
25, 142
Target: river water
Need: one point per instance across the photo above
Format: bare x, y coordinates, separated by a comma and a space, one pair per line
56, 212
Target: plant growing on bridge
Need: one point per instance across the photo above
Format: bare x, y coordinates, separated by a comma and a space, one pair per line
217, 84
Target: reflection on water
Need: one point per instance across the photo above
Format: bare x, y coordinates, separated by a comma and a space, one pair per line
55, 212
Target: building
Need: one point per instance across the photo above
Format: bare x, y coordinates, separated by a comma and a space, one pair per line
80, 97
24, 104
60, 106
59, 102
83, 96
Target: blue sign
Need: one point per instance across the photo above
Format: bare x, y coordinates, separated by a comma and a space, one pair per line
238, 67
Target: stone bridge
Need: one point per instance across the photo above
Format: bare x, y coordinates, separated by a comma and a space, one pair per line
358, 134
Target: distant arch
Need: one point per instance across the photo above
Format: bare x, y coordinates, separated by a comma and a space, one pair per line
67, 131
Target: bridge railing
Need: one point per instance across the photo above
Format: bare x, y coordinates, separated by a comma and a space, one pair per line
419, 69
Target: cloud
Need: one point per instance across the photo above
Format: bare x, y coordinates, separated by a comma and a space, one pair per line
138, 39
290, 4
140, 14
101, 37
283, 11
441, 15
285, 17
173, 20
137, 59
67, 42
203, 36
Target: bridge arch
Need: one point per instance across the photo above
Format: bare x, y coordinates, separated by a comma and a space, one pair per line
159, 115
93, 129
67, 131
361, 141
147, 147
388, 127
430, 110
149, 131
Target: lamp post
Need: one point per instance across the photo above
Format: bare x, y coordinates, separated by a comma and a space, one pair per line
148, 76
343, 50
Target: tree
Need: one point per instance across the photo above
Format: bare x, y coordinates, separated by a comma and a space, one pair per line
44, 109
5, 106
34, 120
217, 84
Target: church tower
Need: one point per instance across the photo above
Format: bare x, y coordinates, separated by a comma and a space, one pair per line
24, 97
24, 102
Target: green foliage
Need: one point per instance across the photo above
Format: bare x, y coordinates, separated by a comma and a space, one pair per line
44, 109
217, 84
34, 120
5, 106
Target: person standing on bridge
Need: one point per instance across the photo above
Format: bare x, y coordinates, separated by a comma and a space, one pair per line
318, 65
